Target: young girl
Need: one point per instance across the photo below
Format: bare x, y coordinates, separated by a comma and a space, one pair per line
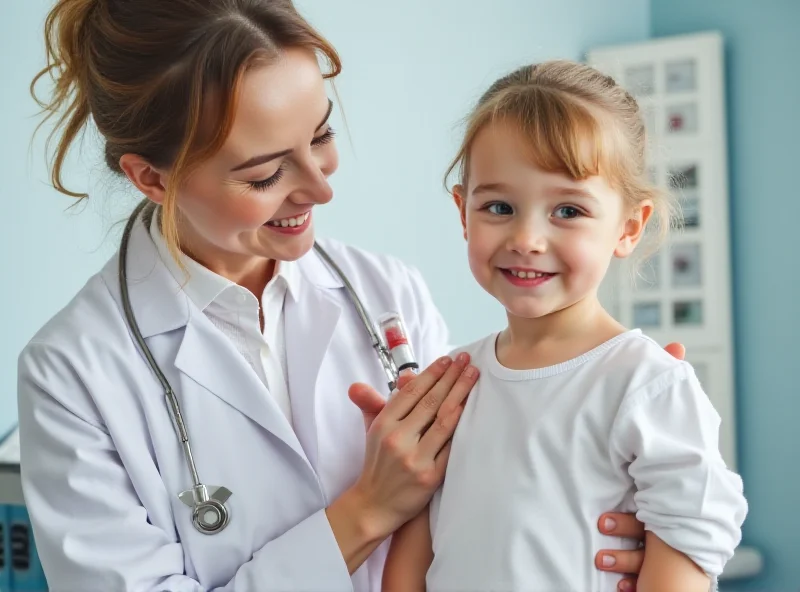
573, 413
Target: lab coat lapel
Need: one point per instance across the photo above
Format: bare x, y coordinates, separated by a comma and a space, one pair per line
211, 360
311, 318
205, 356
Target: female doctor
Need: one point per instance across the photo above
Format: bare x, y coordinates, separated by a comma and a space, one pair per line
216, 111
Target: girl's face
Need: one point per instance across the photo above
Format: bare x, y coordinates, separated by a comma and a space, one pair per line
253, 201
538, 241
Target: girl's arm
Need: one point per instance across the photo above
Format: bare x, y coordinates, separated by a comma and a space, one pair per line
410, 556
691, 504
666, 569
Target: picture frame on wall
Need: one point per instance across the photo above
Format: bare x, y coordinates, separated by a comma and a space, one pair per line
686, 265
640, 79
682, 118
680, 76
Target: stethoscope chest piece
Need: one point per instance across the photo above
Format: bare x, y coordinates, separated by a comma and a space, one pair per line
209, 512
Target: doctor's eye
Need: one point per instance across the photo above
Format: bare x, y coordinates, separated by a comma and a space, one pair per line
499, 208
265, 184
567, 212
324, 138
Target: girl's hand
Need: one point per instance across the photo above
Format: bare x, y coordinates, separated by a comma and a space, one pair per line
408, 440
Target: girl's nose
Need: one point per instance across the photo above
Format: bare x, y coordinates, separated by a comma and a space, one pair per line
527, 238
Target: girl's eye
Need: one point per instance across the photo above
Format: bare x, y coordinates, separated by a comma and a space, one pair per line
567, 212
499, 209
265, 184
324, 138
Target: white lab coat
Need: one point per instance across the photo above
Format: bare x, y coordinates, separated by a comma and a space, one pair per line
102, 466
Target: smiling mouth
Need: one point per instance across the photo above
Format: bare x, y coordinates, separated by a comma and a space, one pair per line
527, 278
290, 222
527, 274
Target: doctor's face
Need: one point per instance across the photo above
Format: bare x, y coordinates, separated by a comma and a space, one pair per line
254, 199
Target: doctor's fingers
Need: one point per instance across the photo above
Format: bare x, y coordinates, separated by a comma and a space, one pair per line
621, 562
445, 396
405, 400
437, 439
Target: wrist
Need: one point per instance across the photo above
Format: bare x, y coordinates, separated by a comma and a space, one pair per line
357, 527
369, 522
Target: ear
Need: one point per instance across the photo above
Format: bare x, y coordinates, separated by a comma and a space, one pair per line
149, 180
633, 229
460, 199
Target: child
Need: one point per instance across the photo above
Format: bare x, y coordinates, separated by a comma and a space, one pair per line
573, 414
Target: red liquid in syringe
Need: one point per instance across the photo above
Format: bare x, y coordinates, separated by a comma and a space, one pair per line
394, 333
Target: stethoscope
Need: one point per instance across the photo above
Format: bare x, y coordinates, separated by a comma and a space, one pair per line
210, 515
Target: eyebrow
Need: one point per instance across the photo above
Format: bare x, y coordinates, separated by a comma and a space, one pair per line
264, 158
492, 188
574, 192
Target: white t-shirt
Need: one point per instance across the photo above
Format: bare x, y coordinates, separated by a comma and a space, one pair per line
539, 455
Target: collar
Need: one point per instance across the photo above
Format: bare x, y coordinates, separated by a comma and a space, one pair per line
156, 284
202, 285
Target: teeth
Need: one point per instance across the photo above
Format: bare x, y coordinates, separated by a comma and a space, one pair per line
526, 274
290, 222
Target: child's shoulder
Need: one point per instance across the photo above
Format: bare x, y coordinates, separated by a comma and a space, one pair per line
477, 349
636, 347
640, 361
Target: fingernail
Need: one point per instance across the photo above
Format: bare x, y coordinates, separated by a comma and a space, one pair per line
462, 358
625, 586
445, 361
471, 372
609, 524
609, 561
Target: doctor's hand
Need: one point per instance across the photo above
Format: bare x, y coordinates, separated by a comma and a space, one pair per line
370, 401
628, 527
408, 439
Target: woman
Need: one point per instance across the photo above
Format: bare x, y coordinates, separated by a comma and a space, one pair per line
216, 111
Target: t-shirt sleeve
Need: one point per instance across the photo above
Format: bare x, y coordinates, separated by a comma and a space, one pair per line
667, 435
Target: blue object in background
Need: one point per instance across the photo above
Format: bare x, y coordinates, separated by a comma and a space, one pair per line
26, 570
5, 551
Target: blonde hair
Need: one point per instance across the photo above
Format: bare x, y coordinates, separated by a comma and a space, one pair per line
161, 78
577, 121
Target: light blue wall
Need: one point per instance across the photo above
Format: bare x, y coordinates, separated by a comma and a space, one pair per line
411, 71
763, 48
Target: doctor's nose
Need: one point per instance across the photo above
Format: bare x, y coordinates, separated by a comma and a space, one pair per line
315, 188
